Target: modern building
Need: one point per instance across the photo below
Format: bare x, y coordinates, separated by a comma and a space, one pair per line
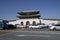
3, 23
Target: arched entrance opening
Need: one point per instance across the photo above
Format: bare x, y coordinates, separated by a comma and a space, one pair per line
34, 22
21, 23
27, 23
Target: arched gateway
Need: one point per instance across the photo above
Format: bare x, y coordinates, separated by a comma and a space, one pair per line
21, 23
34, 22
27, 24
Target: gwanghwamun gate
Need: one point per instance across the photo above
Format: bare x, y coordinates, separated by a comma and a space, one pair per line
32, 17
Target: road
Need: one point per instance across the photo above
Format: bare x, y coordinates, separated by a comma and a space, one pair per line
31, 35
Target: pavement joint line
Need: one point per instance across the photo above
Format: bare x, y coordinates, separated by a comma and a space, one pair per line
39, 32
34, 35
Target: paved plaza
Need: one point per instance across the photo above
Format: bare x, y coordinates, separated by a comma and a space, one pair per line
31, 34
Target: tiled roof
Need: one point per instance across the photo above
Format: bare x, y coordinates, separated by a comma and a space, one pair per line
50, 19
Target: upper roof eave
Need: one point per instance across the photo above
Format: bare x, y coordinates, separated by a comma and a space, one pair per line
27, 12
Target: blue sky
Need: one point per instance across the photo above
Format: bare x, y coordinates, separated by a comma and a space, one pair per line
47, 8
